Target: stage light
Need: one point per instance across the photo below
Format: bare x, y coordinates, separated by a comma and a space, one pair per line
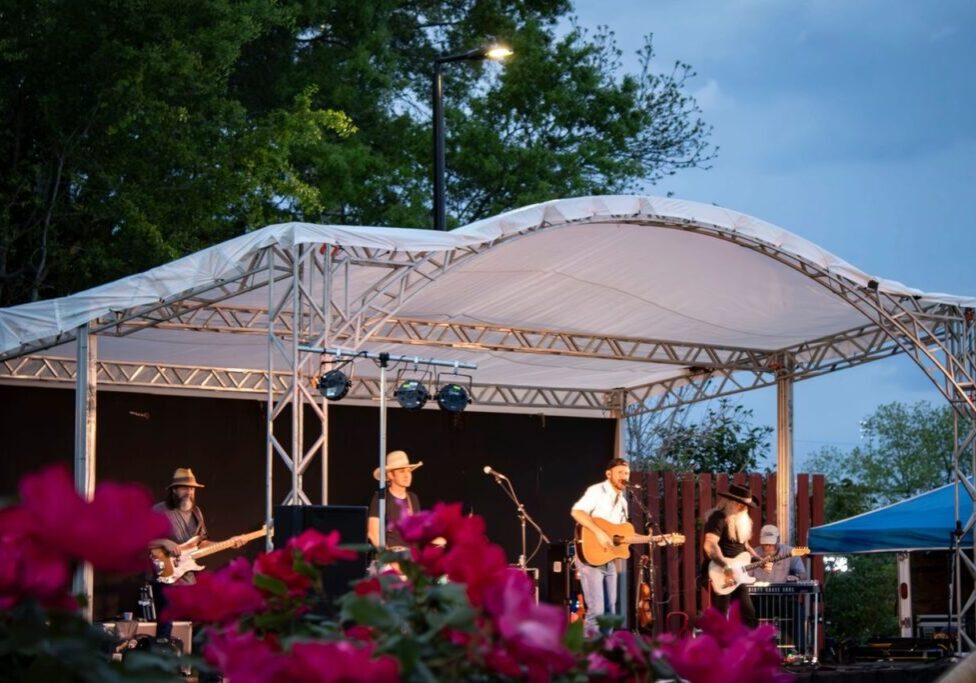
334, 385
453, 398
411, 395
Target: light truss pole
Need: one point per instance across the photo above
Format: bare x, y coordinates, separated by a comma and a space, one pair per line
384, 360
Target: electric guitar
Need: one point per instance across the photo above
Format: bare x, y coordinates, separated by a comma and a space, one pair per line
623, 536
723, 585
169, 569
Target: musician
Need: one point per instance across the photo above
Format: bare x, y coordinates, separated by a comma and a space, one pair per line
605, 500
777, 572
186, 521
400, 502
728, 528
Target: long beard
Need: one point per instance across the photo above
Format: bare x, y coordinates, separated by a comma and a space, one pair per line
186, 504
740, 526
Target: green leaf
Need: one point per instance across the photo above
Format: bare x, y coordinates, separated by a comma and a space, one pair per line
270, 584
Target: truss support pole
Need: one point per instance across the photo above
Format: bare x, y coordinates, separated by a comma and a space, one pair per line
784, 453
618, 399
85, 385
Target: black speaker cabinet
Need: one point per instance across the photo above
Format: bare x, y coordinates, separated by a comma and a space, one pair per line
348, 520
558, 571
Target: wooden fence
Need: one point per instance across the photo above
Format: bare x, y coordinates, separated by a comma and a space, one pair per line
678, 502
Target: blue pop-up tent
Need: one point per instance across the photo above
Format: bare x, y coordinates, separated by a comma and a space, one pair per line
924, 522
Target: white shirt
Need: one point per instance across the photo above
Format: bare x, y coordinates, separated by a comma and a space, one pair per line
604, 501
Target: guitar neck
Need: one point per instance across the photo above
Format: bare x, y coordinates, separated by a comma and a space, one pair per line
224, 545
775, 558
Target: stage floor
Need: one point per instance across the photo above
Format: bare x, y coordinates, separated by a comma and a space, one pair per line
871, 672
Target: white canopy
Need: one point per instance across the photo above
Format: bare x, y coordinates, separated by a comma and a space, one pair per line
591, 294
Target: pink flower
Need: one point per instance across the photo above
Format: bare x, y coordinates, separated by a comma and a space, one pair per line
320, 549
243, 657
599, 667
279, 564
363, 634
112, 531
533, 633
727, 651
444, 521
477, 565
339, 662
31, 571
216, 596
368, 587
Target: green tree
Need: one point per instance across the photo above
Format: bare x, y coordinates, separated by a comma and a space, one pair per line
724, 440
136, 132
905, 450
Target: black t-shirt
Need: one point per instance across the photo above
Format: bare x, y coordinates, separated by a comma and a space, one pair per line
716, 524
396, 509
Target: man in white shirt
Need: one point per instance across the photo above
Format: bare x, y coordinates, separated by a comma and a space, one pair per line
605, 500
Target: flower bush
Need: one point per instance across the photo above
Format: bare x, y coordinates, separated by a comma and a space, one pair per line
454, 611
43, 636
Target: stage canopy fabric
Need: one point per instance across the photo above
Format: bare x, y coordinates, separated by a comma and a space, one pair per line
924, 522
592, 294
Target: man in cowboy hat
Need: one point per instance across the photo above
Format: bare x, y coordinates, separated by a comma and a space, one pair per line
399, 501
186, 523
728, 528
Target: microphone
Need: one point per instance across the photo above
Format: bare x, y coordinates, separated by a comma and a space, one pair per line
498, 475
632, 485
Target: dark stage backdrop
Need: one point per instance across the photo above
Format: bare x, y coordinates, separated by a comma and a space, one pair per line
143, 438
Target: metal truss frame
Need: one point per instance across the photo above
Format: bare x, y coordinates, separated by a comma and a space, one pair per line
937, 336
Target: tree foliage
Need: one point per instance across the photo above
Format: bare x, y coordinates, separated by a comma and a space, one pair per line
905, 450
135, 132
724, 440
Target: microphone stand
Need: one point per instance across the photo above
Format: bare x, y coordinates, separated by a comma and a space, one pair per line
650, 527
522, 515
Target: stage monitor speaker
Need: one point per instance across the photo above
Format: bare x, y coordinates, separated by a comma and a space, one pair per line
558, 571
348, 520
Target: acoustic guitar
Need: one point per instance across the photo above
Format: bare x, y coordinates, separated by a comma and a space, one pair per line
723, 585
623, 536
170, 569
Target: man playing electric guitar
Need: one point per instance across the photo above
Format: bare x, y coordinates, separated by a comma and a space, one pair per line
728, 528
186, 523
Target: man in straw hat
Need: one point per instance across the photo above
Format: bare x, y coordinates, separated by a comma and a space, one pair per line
399, 501
728, 528
186, 523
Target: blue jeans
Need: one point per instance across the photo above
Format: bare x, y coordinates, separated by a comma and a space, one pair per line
599, 592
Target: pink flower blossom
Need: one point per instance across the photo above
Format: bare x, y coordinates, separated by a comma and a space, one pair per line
31, 571
320, 549
244, 657
726, 651
339, 662
279, 564
532, 632
112, 531
368, 587
477, 565
216, 596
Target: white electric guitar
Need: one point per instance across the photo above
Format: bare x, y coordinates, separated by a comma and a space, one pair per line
724, 584
169, 569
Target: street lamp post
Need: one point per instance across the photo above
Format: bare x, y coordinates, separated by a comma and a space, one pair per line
494, 53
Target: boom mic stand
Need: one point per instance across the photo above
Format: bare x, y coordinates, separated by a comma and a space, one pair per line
523, 516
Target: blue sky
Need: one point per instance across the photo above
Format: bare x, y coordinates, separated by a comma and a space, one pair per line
849, 122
